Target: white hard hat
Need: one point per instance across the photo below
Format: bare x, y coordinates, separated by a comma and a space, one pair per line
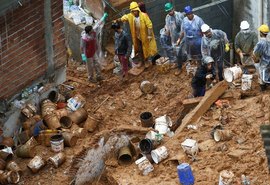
244, 25
205, 28
208, 60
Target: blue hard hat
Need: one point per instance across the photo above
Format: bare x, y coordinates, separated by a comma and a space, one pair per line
188, 9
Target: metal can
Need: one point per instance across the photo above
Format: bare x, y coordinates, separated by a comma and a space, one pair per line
58, 159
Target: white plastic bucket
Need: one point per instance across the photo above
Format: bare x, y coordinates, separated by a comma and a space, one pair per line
162, 124
190, 147
159, 154
232, 73
226, 178
246, 82
144, 165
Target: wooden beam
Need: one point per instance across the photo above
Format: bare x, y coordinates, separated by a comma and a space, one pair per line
210, 97
192, 102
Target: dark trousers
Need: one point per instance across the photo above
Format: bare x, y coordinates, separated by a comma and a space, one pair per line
198, 90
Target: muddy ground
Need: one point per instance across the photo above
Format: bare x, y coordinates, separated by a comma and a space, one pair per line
243, 154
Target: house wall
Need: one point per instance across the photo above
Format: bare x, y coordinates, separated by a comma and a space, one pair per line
24, 52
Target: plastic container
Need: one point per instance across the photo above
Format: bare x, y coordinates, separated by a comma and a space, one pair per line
232, 73
159, 154
147, 119
185, 174
57, 143
162, 124
246, 82
190, 147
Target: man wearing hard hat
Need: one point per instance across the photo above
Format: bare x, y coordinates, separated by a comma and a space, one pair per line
191, 32
173, 23
214, 44
261, 55
142, 32
244, 43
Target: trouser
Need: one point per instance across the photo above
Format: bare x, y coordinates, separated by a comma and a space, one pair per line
218, 56
181, 56
124, 63
93, 65
139, 52
193, 47
198, 90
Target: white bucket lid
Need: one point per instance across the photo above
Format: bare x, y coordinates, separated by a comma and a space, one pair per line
189, 143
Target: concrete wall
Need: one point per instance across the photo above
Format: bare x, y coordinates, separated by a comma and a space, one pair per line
24, 52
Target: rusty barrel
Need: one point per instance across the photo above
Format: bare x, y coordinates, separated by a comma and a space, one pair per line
25, 151
30, 122
44, 137
69, 139
78, 131
52, 121
55, 97
78, 116
58, 159
47, 107
9, 177
65, 122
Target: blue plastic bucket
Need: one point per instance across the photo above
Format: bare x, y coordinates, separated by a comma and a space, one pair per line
185, 174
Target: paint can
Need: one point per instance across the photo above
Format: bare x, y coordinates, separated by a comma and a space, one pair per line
10, 177
65, 122
36, 164
13, 166
30, 122
69, 139
159, 154
6, 153
185, 174
78, 116
58, 159
222, 135
29, 110
162, 124
7, 141
44, 137
146, 146
78, 131
226, 178
57, 143
55, 97
47, 107
134, 146
25, 151
147, 119
52, 121
61, 113
232, 73
190, 147
124, 156
24, 136
91, 124
147, 87
246, 82
144, 165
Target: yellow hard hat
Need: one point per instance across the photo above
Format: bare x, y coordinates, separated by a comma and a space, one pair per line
134, 6
264, 28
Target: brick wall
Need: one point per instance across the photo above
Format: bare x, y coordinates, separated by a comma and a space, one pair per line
23, 48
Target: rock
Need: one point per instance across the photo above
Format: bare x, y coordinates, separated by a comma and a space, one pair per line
207, 145
237, 154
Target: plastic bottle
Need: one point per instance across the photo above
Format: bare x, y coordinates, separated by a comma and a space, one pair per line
245, 180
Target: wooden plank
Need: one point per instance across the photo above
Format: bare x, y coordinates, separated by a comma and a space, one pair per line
69, 78
191, 102
210, 97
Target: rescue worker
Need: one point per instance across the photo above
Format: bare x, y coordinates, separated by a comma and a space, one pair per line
166, 44
205, 72
142, 33
122, 46
244, 43
214, 44
261, 54
88, 47
191, 32
173, 22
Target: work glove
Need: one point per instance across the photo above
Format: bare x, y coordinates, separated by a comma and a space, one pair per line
84, 58
178, 42
209, 76
227, 47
